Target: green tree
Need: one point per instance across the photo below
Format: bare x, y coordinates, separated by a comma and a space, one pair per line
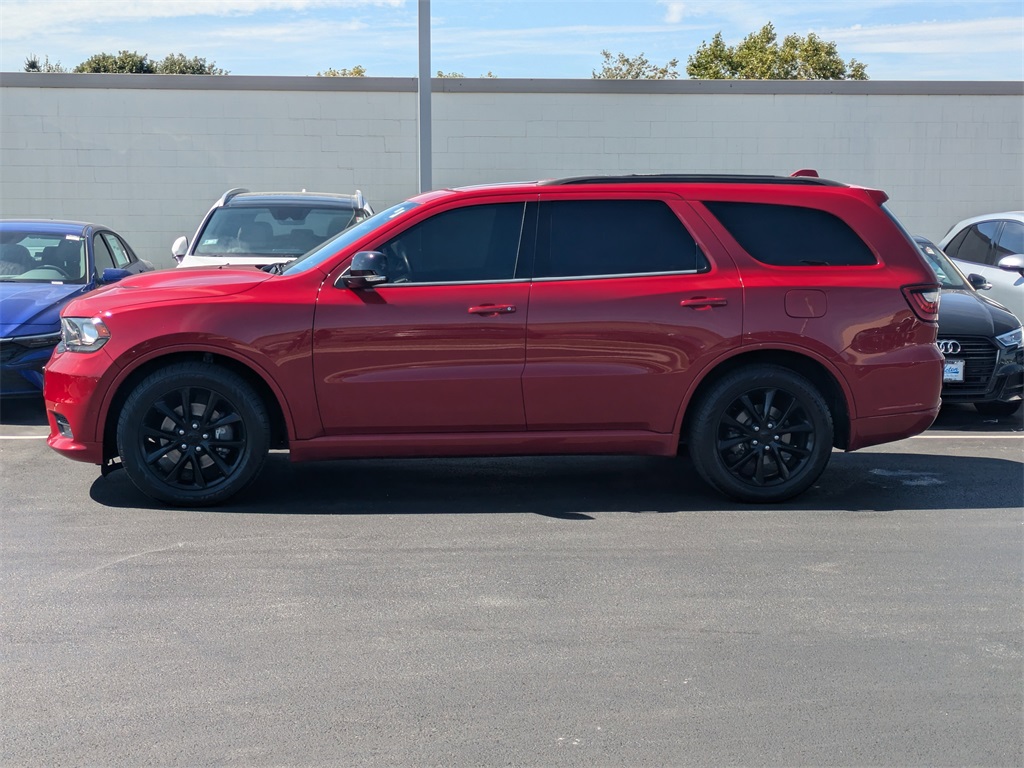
623, 67
32, 64
132, 62
459, 74
760, 57
357, 71
177, 64
126, 62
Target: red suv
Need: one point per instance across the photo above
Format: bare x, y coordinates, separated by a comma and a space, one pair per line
757, 320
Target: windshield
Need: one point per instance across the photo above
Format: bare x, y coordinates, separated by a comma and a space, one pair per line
944, 269
340, 242
33, 257
286, 229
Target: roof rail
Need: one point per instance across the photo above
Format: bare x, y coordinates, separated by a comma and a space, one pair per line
360, 200
688, 178
229, 194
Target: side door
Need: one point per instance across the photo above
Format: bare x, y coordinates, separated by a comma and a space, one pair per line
626, 307
441, 346
1009, 284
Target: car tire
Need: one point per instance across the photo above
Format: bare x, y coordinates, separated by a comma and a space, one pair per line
997, 408
761, 434
200, 460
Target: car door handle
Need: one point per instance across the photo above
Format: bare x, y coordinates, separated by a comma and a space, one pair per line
703, 302
493, 309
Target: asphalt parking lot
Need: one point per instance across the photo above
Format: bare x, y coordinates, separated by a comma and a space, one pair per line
551, 612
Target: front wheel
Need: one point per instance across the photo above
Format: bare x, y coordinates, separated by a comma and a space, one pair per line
761, 434
193, 434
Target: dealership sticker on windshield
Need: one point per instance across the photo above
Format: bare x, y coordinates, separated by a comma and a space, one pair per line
953, 371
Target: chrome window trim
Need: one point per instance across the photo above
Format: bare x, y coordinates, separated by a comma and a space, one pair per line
454, 282
620, 275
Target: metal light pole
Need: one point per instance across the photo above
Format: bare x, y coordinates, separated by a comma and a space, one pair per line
423, 92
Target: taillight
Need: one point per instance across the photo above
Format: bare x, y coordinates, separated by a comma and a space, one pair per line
924, 300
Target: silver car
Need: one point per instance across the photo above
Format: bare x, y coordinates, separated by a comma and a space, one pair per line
992, 245
261, 228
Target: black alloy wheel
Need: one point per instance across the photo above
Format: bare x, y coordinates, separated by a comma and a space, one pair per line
761, 435
193, 434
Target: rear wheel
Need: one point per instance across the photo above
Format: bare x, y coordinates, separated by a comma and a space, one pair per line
996, 408
761, 434
193, 434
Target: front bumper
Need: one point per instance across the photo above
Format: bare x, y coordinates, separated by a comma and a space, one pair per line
21, 363
74, 388
1005, 382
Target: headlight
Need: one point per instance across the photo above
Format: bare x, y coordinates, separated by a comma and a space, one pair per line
83, 334
1012, 340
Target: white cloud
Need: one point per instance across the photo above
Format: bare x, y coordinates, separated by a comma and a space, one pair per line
464, 43
23, 18
996, 35
674, 11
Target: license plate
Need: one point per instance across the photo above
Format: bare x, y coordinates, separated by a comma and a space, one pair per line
953, 370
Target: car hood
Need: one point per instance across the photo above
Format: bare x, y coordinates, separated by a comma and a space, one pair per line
965, 313
28, 309
168, 286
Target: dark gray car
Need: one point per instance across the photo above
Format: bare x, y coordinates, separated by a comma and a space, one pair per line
981, 340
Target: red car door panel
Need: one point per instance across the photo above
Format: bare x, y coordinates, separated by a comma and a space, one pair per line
442, 349
620, 353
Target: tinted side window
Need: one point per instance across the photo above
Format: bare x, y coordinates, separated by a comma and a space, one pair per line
472, 244
117, 248
976, 245
1011, 239
792, 236
578, 238
953, 246
104, 259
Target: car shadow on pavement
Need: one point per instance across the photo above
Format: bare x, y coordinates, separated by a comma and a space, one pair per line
576, 488
960, 417
23, 412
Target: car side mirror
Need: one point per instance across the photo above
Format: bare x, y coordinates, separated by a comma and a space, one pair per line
978, 282
1014, 263
368, 268
180, 248
111, 275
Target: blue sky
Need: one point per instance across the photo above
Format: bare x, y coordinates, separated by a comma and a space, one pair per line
897, 39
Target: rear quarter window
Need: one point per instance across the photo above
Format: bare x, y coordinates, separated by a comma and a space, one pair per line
792, 236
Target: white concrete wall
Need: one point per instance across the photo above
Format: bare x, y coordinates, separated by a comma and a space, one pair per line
148, 154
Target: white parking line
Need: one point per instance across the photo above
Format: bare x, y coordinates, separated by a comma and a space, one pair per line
23, 437
956, 436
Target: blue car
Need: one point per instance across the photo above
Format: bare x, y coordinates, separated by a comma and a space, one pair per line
44, 264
